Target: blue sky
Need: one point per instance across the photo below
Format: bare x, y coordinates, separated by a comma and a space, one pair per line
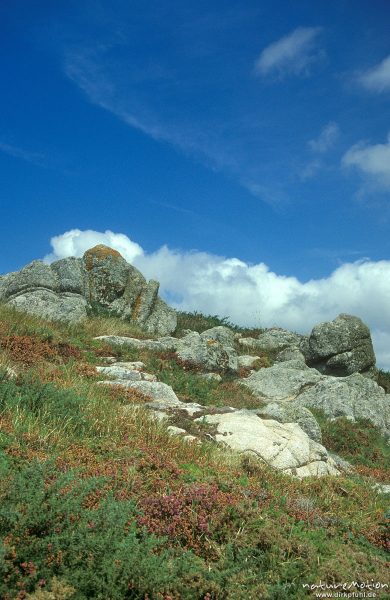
206, 132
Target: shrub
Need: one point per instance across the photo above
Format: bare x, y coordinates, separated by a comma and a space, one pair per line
48, 530
358, 441
198, 322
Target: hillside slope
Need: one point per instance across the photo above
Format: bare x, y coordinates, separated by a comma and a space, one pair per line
99, 500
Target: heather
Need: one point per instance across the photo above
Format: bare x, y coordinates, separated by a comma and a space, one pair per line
99, 501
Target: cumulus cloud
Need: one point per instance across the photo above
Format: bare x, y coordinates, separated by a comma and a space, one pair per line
75, 242
293, 54
253, 294
372, 160
377, 79
326, 139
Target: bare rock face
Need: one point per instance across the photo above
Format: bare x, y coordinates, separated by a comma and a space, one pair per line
340, 347
210, 350
274, 340
67, 290
354, 397
282, 382
283, 446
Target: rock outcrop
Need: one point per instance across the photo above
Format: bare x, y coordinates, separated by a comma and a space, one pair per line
292, 412
340, 347
293, 384
274, 340
283, 381
284, 446
354, 397
69, 289
211, 350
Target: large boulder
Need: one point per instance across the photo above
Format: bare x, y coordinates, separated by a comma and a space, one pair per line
353, 397
68, 289
283, 446
283, 381
272, 340
208, 351
292, 412
340, 347
37, 289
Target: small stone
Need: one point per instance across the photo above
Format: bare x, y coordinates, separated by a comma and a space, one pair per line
211, 377
175, 430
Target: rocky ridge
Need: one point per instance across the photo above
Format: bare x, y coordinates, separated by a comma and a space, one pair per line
71, 288
282, 431
331, 369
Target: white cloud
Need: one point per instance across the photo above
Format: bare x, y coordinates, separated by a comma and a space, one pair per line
253, 294
292, 54
75, 242
326, 139
373, 161
377, 79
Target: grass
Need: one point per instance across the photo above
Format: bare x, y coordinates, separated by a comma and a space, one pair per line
98, 502
359, 442
384, 380
199, 322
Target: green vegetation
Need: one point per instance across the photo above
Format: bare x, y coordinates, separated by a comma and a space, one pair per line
198, 322
100, 502
384, 380
358, 441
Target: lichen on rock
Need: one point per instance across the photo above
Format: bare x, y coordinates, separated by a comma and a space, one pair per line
71, 288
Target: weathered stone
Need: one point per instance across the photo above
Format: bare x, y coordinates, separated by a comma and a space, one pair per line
175, 430
277, 338
118, 372
32, 277
69, 288
247, 361
353, 397
162, 394
382, 488
291, 412
208, 354
165, 344
340, 347
70, 275
282, 381
44, 303
292, 353
342, 465
136, 365
221, 334
282, 446
162, 320
211, 377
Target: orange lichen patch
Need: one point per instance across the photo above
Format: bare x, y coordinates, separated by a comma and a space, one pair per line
99, 253
137, 307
